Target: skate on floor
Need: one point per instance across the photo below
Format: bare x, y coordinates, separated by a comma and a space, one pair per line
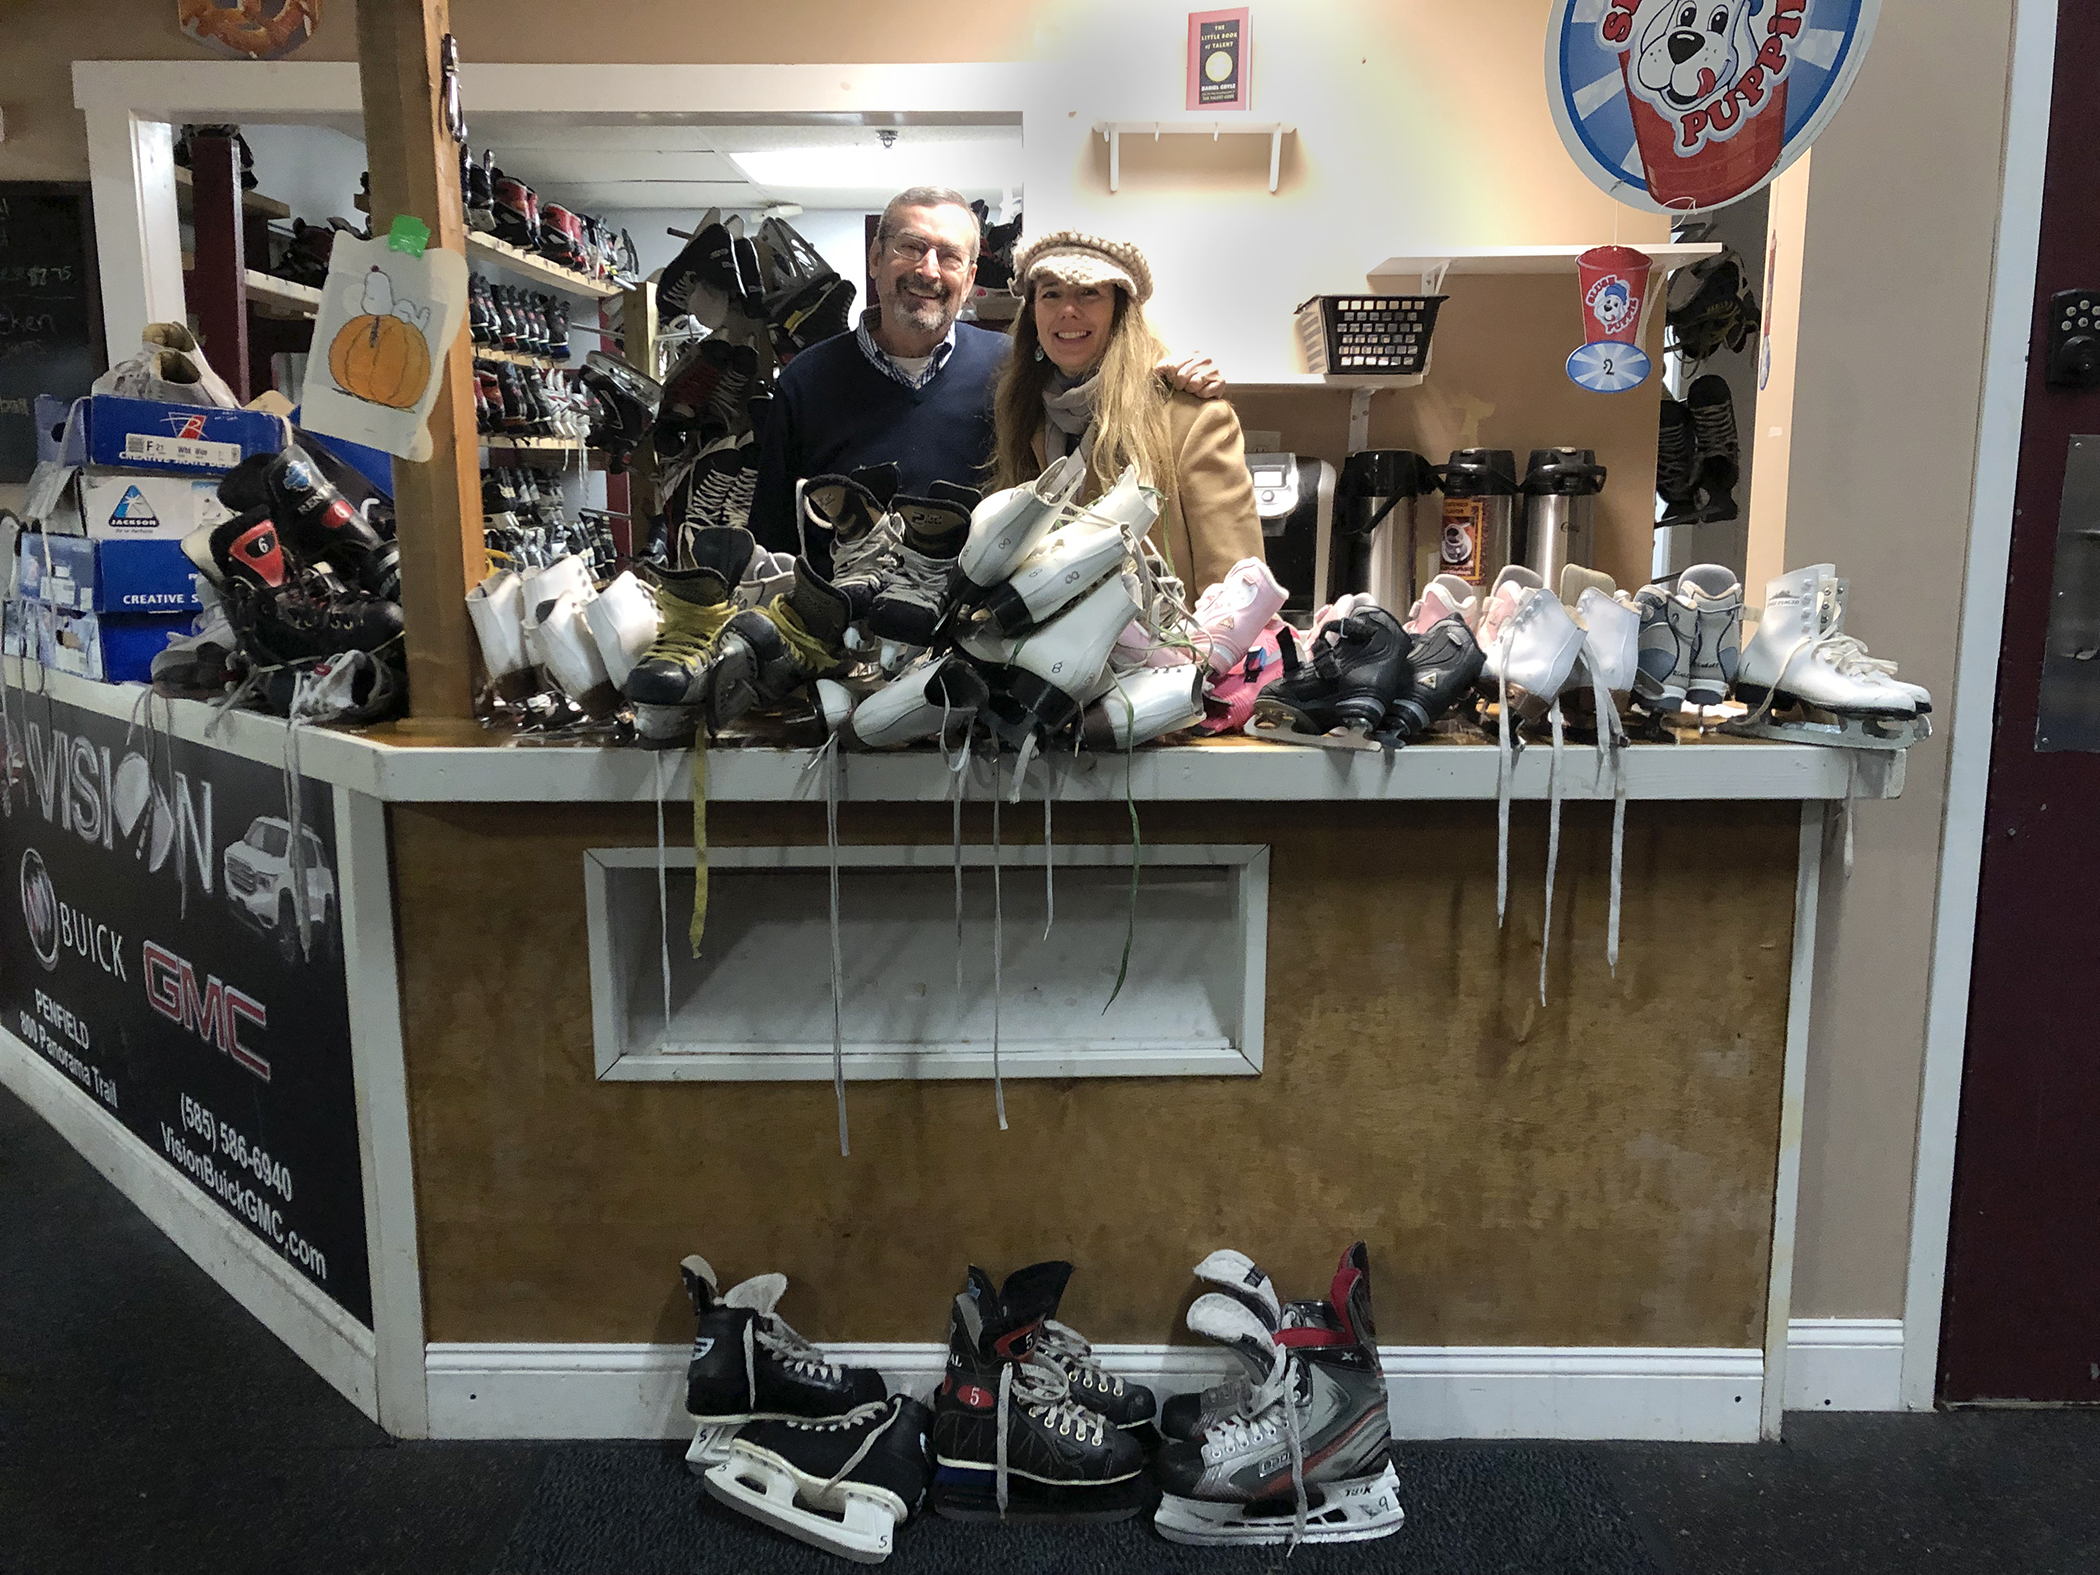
1808, 682
843, 1484
1307, 1457
1010, 1442
1341, 694
749, 1366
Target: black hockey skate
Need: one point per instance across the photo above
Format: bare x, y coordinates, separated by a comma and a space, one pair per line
1442, 668
843, 1484
1009, 1439
323, 525
1339, 699
749, 1366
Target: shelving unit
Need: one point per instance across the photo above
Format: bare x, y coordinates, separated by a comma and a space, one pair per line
274, 297
534, 449
521, 264
521, 358
1432, 269
253, 203
1116, 130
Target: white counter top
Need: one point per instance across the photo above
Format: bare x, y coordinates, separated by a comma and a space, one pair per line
424, 765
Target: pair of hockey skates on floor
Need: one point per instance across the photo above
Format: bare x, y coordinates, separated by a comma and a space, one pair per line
1368, 680
818, 1450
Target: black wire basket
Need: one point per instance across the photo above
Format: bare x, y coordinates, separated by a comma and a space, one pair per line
1368, 335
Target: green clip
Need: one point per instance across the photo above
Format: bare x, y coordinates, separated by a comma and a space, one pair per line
408, 234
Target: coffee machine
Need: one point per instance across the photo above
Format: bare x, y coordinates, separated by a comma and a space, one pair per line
1480, 495
1294, 494
1374, 524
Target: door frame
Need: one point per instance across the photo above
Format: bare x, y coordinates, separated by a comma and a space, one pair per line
2001, 417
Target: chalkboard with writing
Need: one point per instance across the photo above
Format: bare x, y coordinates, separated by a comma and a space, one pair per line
50, 309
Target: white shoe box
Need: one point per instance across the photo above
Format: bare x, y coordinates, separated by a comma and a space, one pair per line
126, 505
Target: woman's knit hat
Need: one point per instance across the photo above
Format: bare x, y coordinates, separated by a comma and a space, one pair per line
1073, 257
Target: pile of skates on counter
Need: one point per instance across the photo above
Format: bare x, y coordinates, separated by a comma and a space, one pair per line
1027, 1425
1042, 622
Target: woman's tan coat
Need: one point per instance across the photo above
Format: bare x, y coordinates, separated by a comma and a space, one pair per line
1212, 523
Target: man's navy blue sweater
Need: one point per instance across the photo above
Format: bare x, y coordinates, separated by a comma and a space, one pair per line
834, 411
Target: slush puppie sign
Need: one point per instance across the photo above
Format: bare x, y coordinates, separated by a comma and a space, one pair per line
1683, 105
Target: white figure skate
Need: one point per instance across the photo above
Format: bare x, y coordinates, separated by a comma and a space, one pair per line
1007, 526
1609, 666
1313, 1434
496, 608
1807, 681
934, 694
623, 620
843, 1484
1143, 705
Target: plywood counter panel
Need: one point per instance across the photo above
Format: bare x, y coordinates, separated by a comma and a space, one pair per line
1596, 1171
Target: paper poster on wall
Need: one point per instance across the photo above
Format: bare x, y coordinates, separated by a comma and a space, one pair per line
388, 313
1680, 106
1218, 75
158, 954
249, 29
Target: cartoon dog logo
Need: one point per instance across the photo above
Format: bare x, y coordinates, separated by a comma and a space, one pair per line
1689, 51
1611, 303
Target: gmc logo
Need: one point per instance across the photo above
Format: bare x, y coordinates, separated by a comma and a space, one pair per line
214, 1013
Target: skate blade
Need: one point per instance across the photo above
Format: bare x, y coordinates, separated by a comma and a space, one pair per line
1276, 731
1359, 1510
710, 1446
665, 726
1885, 734
850, 1520
969, 1493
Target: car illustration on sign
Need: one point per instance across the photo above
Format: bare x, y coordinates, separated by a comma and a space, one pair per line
258, 871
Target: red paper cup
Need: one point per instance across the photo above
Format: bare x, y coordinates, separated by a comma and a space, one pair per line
1614, 288
1688, 167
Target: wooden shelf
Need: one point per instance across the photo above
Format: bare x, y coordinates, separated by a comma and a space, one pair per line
252, 202
520, 358
561, 450
1525, 260
524, 265
276, 297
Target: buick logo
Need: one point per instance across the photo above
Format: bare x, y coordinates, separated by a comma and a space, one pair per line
40, 909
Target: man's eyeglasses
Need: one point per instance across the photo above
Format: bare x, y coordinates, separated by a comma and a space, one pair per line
913, 249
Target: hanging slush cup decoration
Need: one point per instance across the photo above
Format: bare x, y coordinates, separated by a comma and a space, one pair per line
1677, 106
249, 29
1614, 283
388, 312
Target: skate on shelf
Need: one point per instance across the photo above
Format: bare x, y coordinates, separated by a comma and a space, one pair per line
843, 1484
1306, 1457
749, 1366
1346, 692
1806, 681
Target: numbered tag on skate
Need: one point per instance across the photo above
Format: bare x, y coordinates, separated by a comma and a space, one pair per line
711, 1442
1609, 367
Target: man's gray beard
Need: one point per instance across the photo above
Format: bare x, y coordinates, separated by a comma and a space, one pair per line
923, 312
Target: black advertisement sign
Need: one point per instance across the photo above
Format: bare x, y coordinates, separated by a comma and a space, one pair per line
155, 954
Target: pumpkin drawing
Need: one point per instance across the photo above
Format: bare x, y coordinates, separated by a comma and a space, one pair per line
382, 356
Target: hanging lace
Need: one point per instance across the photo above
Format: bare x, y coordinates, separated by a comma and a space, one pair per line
1611, 740
1044, 1393
663, 896
998, 979
1552, 842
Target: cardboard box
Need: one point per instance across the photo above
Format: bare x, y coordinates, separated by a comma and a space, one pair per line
141, 434
51, 414
131, 505
105, 646
81, 575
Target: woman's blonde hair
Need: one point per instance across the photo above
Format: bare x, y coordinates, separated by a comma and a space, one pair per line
1130, 404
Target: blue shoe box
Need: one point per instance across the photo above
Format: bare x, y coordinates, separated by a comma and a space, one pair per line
143, 434
81, 575
107, 647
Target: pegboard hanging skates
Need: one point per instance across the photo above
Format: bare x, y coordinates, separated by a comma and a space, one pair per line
843, 1484
1307, 1458
1808, 682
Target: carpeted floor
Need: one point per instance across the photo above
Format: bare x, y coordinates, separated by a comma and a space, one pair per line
147, 1423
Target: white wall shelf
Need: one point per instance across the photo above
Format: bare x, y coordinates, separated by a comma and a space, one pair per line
276, 297
1432, 269
1116, 130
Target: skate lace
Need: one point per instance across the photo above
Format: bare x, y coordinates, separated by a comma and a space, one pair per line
690, 636
1044, 1392
795, 1353
1068, 1349
1270, 1409
909, 569
875, 553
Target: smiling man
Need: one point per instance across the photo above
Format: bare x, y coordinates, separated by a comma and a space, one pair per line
911, 386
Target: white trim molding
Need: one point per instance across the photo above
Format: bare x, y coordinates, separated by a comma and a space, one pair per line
637, 1391
2000, 422
320, 1333
1844, 1364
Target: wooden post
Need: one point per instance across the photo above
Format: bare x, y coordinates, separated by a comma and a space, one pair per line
218, 284
437, 503
638, 327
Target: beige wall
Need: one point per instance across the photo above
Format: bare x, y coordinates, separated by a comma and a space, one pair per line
1902, 218
1895, 278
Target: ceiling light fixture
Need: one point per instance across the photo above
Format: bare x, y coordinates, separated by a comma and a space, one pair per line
969, 166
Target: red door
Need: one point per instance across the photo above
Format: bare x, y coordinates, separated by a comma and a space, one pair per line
2023, 1274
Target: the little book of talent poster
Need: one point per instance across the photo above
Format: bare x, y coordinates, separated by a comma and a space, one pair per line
1218, 59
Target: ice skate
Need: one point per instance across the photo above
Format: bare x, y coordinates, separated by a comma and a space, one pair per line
796, 638
749, 1366
1009, 1439
671, 685
1007, 526
1708, 612
908, 608
623, 620
1054, 670
1233, 613
1186, 1416
1446, 659
1125, 1404
496, 609
937, 696
1806, 681
843, 1484
1307, 1458
1611, 635
1064, 566
849, 534
1338, 699
1529, 643
1140, 706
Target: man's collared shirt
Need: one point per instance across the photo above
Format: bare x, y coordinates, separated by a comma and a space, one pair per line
882, 360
